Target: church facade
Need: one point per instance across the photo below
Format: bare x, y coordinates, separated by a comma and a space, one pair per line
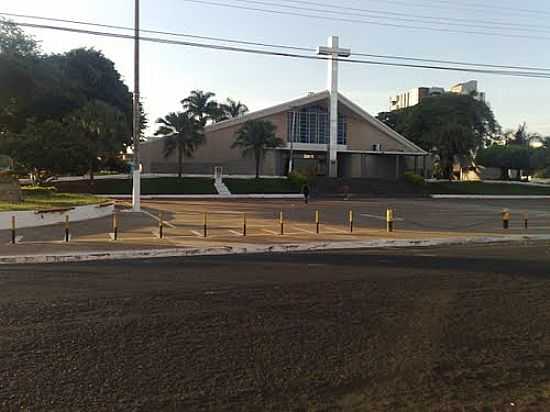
366, 147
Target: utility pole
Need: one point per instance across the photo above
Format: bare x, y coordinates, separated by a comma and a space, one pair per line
136, 176
334, 52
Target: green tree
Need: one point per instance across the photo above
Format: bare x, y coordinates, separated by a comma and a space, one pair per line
431, 124
102, 131
231, 109
510, 157
201, 106
254, 137
14, 41
521, 136
183, 133
46, 149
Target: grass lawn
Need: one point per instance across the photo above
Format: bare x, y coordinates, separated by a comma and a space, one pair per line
45, 201
485, 188
156, 186
260, 186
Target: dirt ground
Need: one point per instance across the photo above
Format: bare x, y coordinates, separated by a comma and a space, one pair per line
463, 329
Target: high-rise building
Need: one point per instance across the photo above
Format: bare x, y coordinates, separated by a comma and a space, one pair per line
414, 96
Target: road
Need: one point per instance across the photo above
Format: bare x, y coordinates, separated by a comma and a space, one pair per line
379, 330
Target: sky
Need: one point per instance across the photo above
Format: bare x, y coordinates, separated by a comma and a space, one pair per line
170, 72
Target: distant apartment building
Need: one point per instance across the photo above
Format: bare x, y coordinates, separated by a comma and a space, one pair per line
413, 97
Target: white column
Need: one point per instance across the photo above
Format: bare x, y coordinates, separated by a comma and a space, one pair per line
333, 112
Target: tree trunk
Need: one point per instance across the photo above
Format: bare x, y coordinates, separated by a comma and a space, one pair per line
180, 162
91, 172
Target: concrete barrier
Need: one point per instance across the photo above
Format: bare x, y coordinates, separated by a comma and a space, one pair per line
24, 219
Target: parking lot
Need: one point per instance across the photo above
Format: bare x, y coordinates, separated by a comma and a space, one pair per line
188, 223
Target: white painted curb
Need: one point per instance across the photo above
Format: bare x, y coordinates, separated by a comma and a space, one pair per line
31, 218
200, 197
491, 197
264, 249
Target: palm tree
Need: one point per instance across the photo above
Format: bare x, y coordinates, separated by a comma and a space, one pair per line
522, 137
231, 109
254, 138
202, 106
182, 133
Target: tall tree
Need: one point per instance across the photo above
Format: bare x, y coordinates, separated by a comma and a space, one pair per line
201, 106
102, 130
231, 109
521, 136
183, 133
431, 124
14, 41
46, 149
254, 137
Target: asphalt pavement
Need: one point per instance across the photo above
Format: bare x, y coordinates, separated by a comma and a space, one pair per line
380, 330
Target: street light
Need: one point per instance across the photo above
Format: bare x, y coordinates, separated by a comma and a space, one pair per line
136, 175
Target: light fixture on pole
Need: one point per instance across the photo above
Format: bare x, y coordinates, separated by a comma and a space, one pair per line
334, 52
136, 175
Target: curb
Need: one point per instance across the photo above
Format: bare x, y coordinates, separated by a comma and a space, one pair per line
40, 218
265, 249
200, 197
492, 197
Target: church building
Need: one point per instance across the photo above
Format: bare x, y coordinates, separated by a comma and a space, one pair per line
365, 147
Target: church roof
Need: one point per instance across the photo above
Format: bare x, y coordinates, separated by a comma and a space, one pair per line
313, 98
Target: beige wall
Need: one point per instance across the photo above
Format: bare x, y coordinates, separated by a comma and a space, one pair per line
362, 135
216, 151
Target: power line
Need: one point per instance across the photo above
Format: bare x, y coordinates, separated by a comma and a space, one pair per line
270, 45
407, 17
492, 8
458, 63
465, 6
368, 22
191, 36
286, 54
506, 24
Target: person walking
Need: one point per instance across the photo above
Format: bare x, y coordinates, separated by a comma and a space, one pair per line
306, 192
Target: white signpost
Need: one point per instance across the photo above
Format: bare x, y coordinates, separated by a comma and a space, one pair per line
334, 52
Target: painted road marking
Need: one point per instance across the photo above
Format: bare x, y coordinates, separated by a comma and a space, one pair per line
395, 219
271, 232
235, 232
197, 233
304, 230
157, 219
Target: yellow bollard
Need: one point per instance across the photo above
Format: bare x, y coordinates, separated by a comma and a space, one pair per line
205, 225
351, 221
13, 237
67, 234
506, 216
244, 224
389, 220
317, 222
115, 226
282, 222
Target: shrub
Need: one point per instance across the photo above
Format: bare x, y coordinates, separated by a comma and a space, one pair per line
298, 179
414, 179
